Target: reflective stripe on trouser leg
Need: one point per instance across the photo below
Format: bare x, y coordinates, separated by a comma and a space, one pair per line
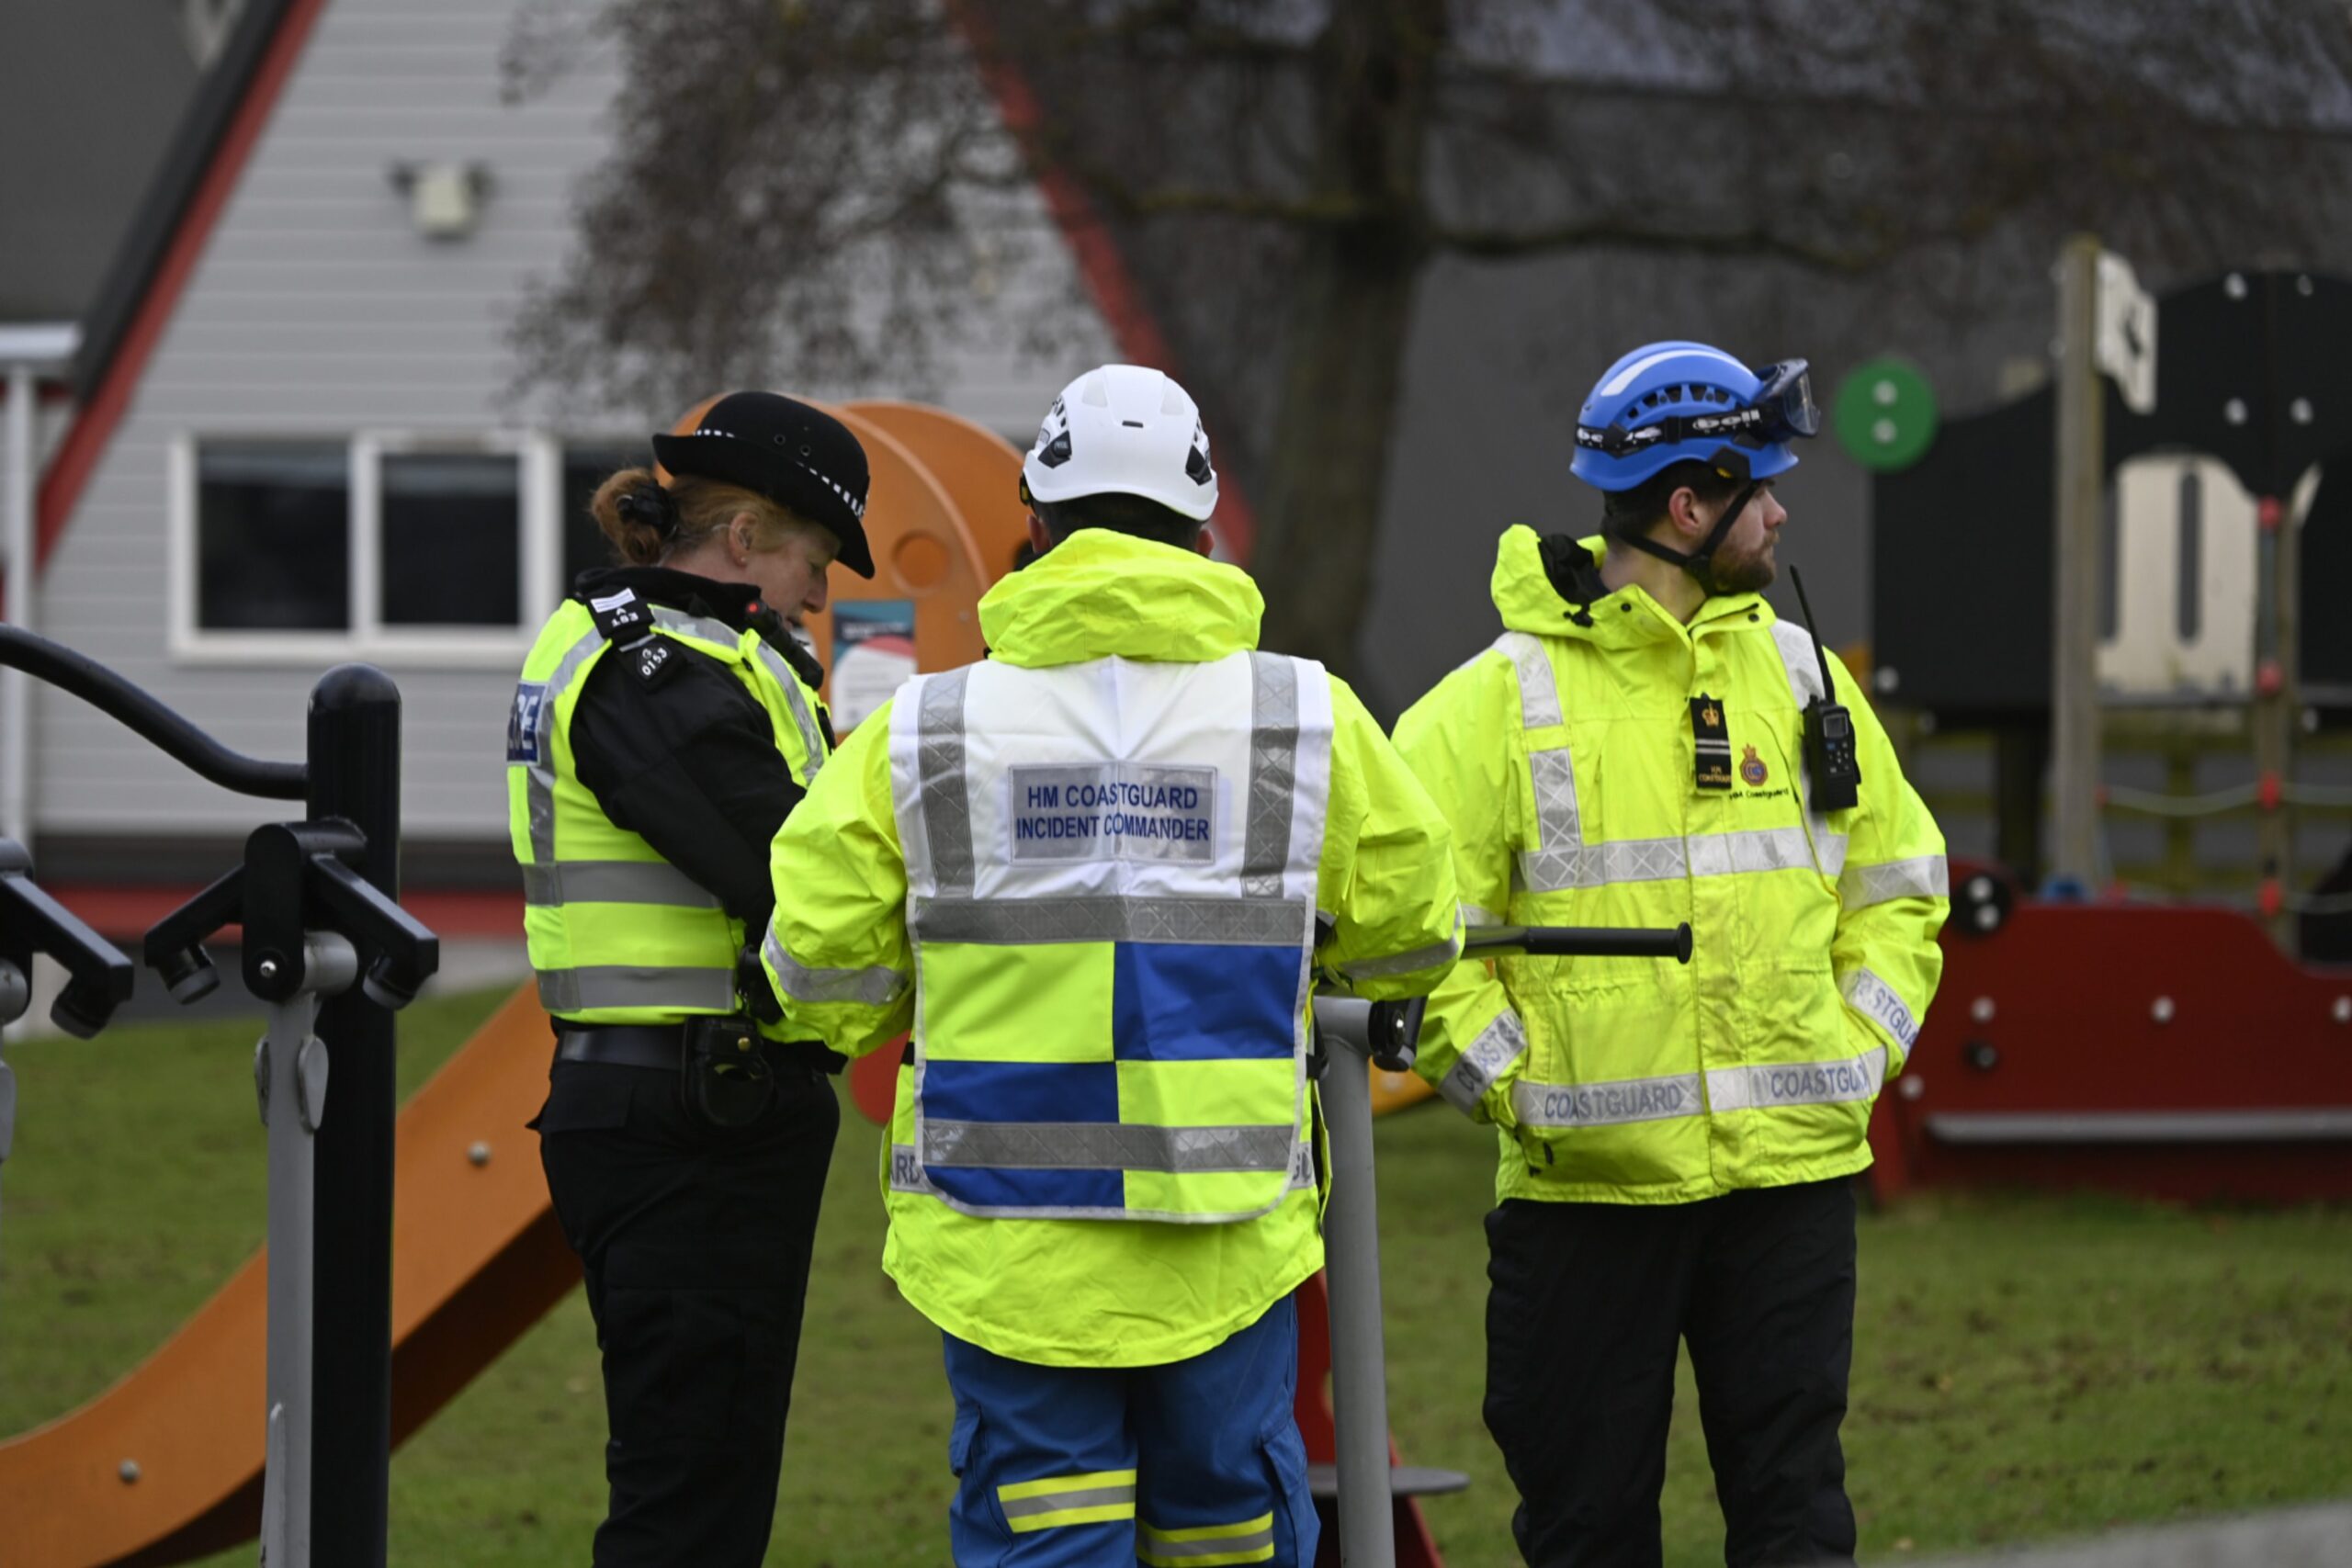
1093, 1499
1208, 1546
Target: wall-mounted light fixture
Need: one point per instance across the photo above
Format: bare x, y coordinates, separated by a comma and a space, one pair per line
443, 197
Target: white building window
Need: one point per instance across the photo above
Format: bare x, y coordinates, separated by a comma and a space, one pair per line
273, 536
411, 548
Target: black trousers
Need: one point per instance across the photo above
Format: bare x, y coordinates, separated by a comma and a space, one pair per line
695, 1242
1588, 1302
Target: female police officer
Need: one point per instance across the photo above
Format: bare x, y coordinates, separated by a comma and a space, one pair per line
666, 721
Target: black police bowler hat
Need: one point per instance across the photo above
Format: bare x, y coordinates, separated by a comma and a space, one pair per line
800, 457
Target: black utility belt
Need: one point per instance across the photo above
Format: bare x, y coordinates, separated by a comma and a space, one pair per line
727, 1071
663, 1046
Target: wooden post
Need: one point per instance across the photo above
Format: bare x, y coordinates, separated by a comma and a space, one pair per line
2081, 484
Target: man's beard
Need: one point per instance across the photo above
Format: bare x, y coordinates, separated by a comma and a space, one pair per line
1745, 574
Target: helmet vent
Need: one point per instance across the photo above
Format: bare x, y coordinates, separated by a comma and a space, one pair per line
1097, 395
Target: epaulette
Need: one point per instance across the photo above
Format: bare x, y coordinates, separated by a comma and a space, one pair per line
627, 622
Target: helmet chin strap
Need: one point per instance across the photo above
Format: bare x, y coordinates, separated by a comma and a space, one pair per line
1701, 562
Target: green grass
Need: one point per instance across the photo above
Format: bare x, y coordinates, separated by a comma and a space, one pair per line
2024, 1367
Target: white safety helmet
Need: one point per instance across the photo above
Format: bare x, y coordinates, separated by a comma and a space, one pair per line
1129, 430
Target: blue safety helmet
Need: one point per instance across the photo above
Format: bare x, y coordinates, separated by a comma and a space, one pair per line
1671, 402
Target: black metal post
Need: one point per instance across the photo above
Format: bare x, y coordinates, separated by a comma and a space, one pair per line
355, 773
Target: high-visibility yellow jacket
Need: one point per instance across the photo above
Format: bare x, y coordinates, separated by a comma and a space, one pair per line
1564, 758
1090, 874
616, 934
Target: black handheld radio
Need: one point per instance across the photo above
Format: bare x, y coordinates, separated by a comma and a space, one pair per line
1829, 758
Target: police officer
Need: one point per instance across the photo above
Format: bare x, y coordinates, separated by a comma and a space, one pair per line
1089, 872
666, 723
1646, 744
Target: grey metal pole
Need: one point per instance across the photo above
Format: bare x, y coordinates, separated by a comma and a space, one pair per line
15, 690
290, 1072
2079, 504
1351, 1259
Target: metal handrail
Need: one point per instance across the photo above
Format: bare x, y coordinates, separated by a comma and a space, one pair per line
150, 720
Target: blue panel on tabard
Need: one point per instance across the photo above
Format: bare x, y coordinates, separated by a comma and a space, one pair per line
1174, 1003
987, 1188
1021, 1091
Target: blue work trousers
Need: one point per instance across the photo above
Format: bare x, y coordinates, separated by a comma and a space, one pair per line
1193, 1465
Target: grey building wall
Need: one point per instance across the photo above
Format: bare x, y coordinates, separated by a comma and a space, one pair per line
317, 311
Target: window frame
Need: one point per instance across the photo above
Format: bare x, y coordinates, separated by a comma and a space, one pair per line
537, 456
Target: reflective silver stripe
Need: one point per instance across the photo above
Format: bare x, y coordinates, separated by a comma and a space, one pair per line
1875, 999
1157, 1547
1057, 1502
1428, 957
811, 737
1763, 1085
939, 766
906, 1170
614, 882
875, 987
1606, 1105
625, 985
1472, 914
1922, 876
1828, 847
1273, 774
1500, 1044
906, 1176
1599, 865
1797, 657
1663, 859
1539, 690
539, 786
1103, 1145
1755, 849
677, 623
1559, 826
1103, 918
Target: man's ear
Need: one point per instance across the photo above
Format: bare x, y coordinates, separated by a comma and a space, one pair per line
1040, 541
1204, 541
1682, 511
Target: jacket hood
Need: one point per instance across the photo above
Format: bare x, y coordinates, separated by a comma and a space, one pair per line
1530, 600
1098, 594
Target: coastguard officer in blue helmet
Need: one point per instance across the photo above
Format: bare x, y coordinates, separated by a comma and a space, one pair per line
1646, 744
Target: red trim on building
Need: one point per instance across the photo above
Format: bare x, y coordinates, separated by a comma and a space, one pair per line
85, 443
1099, 265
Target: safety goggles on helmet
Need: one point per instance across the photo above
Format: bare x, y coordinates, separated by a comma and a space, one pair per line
1782, 410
